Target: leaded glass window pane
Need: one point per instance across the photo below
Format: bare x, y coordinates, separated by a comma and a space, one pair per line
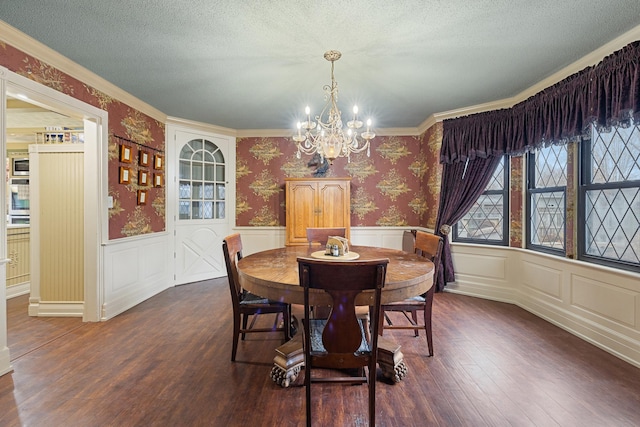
547, 185
613, 224
485, 221
610, 190
551, 166
615, 156
202, 171
547, 219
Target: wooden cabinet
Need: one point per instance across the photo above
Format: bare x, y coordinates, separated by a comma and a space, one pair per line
18, 252
320, 202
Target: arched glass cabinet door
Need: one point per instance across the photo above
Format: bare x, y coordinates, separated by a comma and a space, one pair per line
201, 181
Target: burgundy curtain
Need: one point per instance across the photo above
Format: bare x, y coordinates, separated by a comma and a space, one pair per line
462, 184
604, 95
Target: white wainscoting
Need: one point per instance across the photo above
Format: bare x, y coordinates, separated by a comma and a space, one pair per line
599, 304
135, 269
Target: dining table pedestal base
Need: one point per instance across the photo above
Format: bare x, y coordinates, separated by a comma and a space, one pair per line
391, 360
288, 362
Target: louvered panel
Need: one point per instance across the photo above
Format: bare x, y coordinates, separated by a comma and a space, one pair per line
61, 227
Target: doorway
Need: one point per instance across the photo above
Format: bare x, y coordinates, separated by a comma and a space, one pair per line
32, 126
202, 165
22, 92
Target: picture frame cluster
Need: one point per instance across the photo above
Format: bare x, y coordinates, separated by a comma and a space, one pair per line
150, 170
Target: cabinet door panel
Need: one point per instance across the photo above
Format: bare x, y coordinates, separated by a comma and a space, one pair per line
334, 205
301, 211
316, 203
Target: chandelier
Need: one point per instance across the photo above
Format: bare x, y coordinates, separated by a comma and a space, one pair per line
328, 138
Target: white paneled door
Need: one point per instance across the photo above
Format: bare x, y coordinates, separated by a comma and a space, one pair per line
202, 206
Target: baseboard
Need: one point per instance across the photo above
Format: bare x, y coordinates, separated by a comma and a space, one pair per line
56, 309
5, 362
485, 292
18, 290
126, 301
610, 341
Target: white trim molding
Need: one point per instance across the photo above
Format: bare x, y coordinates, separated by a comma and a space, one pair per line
55, 309
598, 304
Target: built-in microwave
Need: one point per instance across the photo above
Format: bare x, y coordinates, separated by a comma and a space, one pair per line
20, 166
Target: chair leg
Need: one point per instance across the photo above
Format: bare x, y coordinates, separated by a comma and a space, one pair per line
287, 323
372, 395
307, 386
381, 321
427, 320
236, 335
414, 316
245, 319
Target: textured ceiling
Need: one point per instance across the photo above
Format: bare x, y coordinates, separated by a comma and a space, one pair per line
256, 64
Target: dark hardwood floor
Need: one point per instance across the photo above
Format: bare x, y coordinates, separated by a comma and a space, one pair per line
166, 362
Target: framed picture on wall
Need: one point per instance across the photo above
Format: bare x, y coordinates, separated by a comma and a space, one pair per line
158, 161
158, 180
142, 197
125, 154
143, 178
125, 175
144, 158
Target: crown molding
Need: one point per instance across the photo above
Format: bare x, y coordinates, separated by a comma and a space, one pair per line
398, 132
205, 127
34, 48
264, 133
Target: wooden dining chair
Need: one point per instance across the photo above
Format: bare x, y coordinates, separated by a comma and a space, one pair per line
429, 246
246, 304
320, 235
341, 341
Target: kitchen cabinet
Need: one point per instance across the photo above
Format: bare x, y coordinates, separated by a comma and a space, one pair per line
18, 252
60, 136
319, 202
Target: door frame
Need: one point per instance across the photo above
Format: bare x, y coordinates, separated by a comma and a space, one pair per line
95, 178
197, 131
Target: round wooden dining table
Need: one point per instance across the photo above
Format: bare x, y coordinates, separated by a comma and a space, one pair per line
273, 274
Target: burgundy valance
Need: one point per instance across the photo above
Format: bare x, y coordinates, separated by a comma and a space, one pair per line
605, 94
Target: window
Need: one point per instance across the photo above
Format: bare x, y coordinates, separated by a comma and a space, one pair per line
202, 181
609, 198
546, 191
486, 221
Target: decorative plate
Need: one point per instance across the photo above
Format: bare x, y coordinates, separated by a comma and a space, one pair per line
349, 256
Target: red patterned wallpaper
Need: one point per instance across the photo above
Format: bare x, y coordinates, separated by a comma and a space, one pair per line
127, 218
397, 186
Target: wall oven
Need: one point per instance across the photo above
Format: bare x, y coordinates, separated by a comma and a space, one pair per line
19, 197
